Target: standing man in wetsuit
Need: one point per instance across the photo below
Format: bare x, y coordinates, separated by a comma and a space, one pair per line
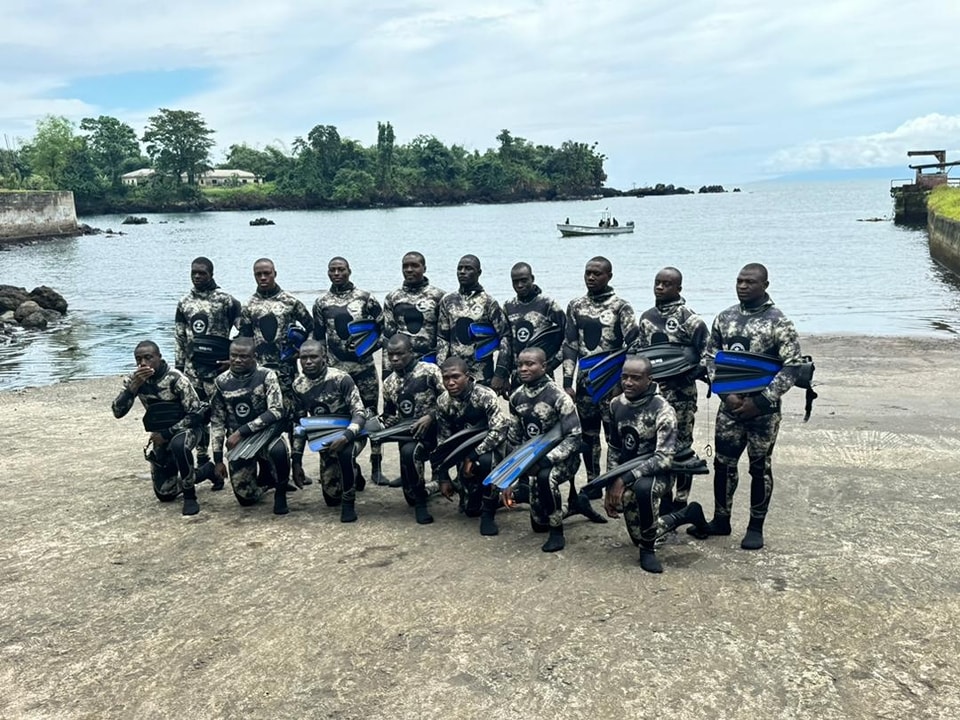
414, 310
670, 320
204, 319
173, 417
750, 421
248, 400
643, 423
323, 390
600, 321
537, 406
529, 315
273, 317
470, 305
333, 312
410, 392
466, 404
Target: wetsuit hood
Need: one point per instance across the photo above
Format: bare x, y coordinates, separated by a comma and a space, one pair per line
343, 290
670, 304
645, 396
269, 293
758, 306
603, 295
206, 289
475, 290
410, 287
534, 291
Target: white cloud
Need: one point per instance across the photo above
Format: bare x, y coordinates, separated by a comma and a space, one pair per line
692, 93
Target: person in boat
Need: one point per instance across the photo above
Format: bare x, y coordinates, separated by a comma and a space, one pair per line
615, 223
643, 423
750, 421
173, 417
333, 312
204, 320
324, 390
531, 317
567, 221
599, 321
466, 404
414, 310
461, 312
536, 407
671, 320
248, 402
410, 393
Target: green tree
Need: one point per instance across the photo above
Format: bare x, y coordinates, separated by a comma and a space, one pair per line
385, 148
179, 143
353, 187
269, 163
48, 152
111, 144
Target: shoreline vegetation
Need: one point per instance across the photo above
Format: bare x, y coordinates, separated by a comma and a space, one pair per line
945, 202
321, 170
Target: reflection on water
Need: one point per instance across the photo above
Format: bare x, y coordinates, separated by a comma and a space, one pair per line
828, 272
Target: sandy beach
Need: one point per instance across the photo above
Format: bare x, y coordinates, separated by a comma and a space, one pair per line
116, 606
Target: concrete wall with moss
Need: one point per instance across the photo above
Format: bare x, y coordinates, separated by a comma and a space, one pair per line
944, 235
33, 214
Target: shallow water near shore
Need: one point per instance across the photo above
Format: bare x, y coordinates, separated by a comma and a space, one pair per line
829, 271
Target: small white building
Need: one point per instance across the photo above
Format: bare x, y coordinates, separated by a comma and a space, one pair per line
137, 177
228, 177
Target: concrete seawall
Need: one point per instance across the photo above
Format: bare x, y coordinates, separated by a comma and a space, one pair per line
30, 214
944, 235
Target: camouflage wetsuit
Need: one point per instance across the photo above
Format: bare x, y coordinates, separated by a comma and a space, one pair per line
477, 407
766, 331
525, 318
459, 310
536, 408
414, 310
265, 318
171, 464
674, 322
249, 403
412, 393
332, 312
332, 393
595, 323
203, 322
645, 426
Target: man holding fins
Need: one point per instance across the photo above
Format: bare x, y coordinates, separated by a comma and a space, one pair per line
174, 417
755, 338
318, 392
466, 406
675, 338
248, 419
598, 322
644, 431
539, 408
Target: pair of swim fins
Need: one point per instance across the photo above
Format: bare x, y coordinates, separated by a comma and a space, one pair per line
488, 339
322, 430
684, 462
364, 336
455, 448
249, 446
743, 372
514, 465
603, 372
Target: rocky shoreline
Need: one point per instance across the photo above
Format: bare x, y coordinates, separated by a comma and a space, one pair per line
33, 310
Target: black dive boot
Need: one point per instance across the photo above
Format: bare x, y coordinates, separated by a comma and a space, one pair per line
555, 542
280, 501
586, 509
720, 525
753, 540
649, 560
205, 472
190, 504
348, 513
420, 511
359, 481
488, 521
376, 470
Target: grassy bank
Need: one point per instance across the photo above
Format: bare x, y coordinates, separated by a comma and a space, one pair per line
945, 202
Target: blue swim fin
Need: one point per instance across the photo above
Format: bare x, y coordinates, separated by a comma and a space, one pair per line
486, 349
749, 361
482, 330
319, 444
321, 422
456, 447
721, 386
364, 336
516, 463
430, 357
598, 393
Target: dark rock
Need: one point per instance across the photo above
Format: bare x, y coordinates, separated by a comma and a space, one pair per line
8, 302
19, 293
52, 315
7, 317
49, 299
87, 230
34, 321
134, 220
262, 221
28, 307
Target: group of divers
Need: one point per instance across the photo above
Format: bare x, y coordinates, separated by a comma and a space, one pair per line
255, 385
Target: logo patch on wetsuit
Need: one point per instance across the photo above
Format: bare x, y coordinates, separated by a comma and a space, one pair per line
423, 305
631, 441
200, 326
406, 407
321, 410
243, 410
533, 430
523, 334
672, 325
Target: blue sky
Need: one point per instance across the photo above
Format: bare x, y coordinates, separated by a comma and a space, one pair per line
698, 92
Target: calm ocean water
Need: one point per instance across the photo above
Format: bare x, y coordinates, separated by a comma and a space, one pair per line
829, 272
